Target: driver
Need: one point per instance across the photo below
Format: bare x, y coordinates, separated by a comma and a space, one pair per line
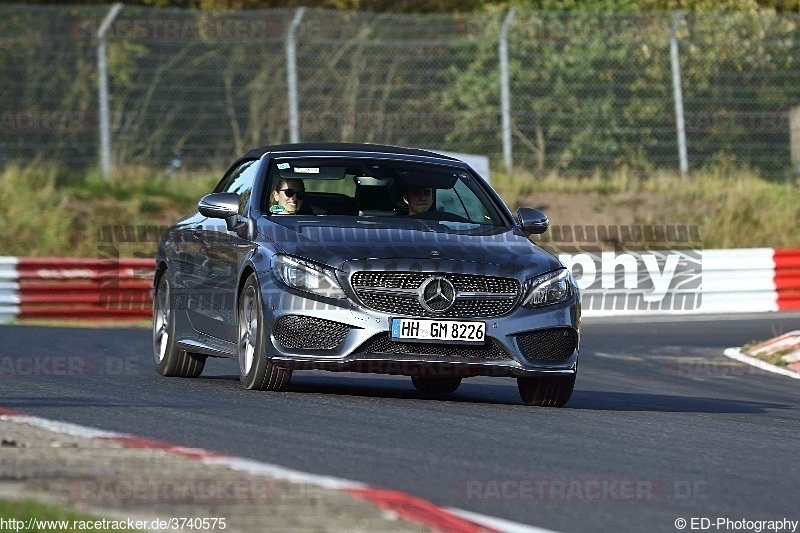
287, 198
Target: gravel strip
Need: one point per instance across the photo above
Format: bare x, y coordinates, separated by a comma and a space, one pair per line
107, 479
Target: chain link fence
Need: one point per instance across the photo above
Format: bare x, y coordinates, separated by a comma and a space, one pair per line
587, 91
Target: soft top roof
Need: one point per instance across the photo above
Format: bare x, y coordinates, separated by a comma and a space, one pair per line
342, 147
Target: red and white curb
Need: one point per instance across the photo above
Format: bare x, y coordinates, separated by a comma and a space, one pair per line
736, 353
787, 341
405, 506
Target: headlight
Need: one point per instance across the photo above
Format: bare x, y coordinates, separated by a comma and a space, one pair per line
307, 276
552, 288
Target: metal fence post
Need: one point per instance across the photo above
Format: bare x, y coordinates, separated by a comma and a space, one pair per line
102, 91
291, 77
794, 139
678, 92
505, 95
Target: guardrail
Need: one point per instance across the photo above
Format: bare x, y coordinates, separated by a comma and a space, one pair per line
732, 281
787, 278
752, 280
65, 288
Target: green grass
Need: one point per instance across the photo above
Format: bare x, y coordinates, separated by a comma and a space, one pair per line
47, 211
50, 211
25, 510
733, 209
775, 358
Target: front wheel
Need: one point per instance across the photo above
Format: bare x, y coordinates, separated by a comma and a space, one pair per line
255, 371
437, 385
546, 391
170, 361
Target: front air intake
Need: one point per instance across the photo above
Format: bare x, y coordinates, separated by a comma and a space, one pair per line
309, 333
557, 344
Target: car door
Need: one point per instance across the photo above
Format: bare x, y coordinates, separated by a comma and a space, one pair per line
183, 249
222, 252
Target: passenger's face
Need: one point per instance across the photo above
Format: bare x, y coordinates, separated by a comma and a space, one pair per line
289, 196
419, 200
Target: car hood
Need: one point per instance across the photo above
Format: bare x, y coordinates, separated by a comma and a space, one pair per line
367, 241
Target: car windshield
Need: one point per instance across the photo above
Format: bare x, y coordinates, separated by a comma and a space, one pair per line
377, 188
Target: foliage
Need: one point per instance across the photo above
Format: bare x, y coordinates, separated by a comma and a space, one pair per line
26, 510
595, 90
590, 89
50, 211
453, 6
53, 211
732, 208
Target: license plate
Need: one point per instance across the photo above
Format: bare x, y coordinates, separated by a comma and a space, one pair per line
452, 331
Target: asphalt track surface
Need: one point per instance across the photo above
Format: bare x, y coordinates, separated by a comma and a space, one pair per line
661, 426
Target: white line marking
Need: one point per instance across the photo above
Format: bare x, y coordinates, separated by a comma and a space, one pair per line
614, 356
499, 524
258, 468
64, 428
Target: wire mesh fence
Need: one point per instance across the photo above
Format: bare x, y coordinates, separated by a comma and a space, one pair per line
587, 91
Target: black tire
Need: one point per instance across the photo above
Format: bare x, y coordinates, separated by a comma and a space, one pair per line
169, 360
255, 371
437, 385
546, 392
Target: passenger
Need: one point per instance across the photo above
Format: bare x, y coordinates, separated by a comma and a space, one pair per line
418, 199
287, 198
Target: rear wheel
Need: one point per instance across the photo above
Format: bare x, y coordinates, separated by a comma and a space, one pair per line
170, 361
255, 371
439, 385
546, 391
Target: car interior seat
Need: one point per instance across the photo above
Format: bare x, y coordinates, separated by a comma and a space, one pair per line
373, 198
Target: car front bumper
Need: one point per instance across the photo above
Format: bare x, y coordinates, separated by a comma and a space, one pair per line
306, 334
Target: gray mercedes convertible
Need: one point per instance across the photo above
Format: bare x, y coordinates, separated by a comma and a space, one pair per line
364, 258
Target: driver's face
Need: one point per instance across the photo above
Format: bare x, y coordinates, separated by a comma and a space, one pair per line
289, 196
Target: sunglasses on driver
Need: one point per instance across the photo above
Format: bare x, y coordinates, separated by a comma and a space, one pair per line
291, 192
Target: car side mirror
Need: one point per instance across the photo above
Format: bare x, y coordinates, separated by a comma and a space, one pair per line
224, 205
532, 220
